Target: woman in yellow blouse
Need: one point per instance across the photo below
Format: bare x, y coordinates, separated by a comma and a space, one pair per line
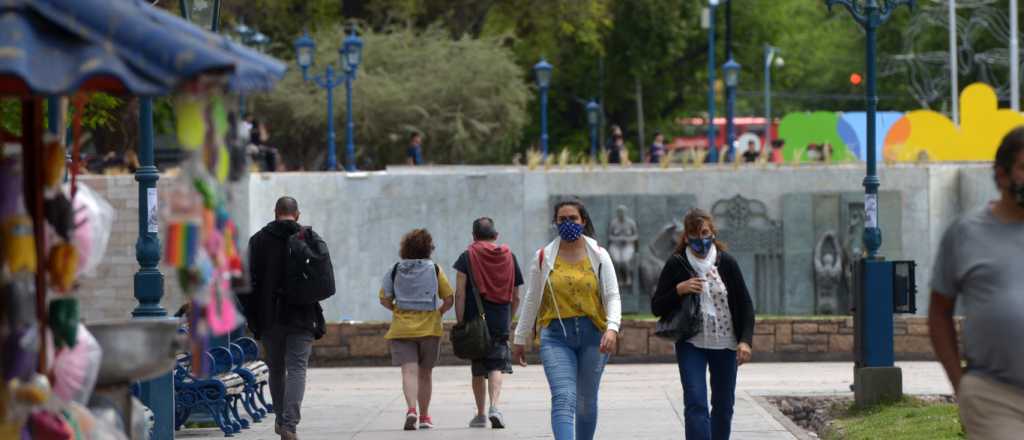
411, 289
573, 296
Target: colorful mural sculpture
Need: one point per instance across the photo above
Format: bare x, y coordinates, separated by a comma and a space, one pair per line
907, 137
925, 134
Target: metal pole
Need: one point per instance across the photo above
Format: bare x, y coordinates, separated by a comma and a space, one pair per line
593, 141
872, 233
332, 161
712, 148
730, 123
149, 282
241, 106
954, 67
157, 394
769, 53
544, 121
730, 91
350, 127
1014, 59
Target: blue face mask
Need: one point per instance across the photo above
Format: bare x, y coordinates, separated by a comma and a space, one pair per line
570, 231
701, 246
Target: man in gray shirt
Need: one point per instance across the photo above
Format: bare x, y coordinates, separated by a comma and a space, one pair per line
981, 261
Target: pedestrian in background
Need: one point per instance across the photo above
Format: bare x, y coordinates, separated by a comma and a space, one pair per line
701, 266
573, 298
418, 294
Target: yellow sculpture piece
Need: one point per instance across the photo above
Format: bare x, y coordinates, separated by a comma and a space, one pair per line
926, 134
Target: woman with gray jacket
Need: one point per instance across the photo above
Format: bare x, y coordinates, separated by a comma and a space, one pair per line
572, 296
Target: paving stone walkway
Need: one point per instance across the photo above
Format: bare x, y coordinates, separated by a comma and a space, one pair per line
637, 402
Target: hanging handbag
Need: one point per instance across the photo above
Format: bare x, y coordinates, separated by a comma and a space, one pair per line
685, 322
470, 338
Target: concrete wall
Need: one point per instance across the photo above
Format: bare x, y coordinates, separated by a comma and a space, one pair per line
363, 216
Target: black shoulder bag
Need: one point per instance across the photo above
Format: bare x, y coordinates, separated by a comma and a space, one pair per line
686, 321
470, 338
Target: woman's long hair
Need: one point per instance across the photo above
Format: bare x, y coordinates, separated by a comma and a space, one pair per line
588, 228
692, 223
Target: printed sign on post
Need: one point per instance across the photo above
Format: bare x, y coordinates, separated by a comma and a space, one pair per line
151, 203
871, 210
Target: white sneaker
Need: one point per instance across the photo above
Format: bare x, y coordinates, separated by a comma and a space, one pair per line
479, 421
497, 419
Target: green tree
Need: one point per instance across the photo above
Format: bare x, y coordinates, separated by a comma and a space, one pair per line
466, 96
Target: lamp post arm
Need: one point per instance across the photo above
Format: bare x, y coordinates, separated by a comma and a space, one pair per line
324, 81
854, 6
891, 5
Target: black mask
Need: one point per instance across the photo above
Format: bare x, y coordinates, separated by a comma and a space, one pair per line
1017, 191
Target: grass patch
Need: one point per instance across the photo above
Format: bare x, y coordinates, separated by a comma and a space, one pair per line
908, 419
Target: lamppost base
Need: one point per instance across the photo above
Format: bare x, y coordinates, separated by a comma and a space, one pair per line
874, 385
158, 395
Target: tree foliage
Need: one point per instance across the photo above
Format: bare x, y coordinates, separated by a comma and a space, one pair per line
466, 96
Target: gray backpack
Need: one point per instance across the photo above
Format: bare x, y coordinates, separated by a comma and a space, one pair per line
413, 284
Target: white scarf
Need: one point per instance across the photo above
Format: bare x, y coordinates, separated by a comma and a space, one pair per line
713, 286
703, 265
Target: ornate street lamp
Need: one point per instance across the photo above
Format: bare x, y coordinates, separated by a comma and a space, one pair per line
249, 37
712, 129
543, 71
202, 13
349, 58
731, 69
593, 116
875, 377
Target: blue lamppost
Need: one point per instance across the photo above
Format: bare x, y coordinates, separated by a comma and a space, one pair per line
593, 115
350, 55
249, 37
770, 57
158, 393
543, 71
352, 52
712, 148
875, 377
731, 69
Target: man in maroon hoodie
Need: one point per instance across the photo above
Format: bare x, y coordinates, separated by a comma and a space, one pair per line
492, 272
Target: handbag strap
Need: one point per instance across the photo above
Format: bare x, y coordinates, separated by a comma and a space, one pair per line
476, 296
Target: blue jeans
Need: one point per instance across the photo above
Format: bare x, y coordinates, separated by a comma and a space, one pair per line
573, 365
693, 366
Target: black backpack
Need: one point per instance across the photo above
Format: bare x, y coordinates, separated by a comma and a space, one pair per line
309, 274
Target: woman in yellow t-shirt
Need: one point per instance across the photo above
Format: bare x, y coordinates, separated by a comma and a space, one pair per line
573, 296
411, 289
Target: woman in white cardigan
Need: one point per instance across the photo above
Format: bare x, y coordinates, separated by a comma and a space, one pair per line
573, 298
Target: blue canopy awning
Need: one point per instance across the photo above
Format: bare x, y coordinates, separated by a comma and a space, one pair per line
57, 47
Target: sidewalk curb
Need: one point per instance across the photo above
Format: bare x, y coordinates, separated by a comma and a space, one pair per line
793, 428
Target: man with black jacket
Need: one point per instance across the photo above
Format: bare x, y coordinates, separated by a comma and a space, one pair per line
286, 331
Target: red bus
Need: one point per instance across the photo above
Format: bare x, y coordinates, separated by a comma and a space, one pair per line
696, 132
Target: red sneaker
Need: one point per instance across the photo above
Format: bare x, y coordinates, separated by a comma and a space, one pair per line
426, 423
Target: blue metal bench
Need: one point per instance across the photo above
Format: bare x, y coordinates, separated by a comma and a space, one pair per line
251, 364
252, 379
224, 371
214, 396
